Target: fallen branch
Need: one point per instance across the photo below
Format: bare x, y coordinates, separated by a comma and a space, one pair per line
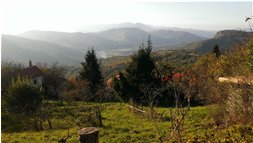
142, 111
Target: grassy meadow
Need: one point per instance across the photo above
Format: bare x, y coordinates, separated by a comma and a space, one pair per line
121, 125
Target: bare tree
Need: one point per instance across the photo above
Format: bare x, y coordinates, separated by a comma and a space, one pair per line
177, 117
54, 80
151, 94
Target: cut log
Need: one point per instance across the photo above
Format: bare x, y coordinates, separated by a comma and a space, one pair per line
88, 135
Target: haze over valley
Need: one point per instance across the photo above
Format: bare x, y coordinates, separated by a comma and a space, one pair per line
49, 46
121, 40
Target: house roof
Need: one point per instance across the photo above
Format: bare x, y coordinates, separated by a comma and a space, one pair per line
32, 72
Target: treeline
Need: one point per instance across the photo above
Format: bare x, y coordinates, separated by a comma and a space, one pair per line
177, 58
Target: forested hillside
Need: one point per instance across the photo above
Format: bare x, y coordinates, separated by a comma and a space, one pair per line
226, 40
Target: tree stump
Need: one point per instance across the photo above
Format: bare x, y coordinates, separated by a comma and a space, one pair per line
88, 135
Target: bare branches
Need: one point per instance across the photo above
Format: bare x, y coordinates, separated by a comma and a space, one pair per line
249, 21
177, 118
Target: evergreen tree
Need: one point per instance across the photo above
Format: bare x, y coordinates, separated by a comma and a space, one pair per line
91, 71
216, 50
30, 63
141, 70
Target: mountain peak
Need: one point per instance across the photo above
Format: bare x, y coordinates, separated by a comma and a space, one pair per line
229, 33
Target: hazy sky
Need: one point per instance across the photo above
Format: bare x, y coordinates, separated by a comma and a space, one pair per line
62, 15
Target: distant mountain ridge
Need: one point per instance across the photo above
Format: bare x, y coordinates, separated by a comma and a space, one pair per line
69, 48
145, 27
226, 39
104, 27
127, 39
231, 33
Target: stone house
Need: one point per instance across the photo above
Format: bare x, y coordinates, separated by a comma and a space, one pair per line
34, 73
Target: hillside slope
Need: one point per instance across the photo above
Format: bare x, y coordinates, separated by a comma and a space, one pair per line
69, 48
122, 38
22, 50
226, 40
145, 27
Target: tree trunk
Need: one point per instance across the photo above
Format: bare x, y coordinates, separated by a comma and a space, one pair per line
88, 135
49, 123
99, 117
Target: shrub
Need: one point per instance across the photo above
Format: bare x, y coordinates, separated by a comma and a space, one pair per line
77, 91
22, 97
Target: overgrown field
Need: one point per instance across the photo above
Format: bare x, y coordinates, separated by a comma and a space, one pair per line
121, 125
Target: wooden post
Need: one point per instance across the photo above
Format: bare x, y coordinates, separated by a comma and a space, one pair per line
88, 135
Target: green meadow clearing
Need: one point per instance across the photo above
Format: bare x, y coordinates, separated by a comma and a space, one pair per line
121, 125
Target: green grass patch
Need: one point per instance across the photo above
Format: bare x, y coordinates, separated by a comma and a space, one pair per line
120, 125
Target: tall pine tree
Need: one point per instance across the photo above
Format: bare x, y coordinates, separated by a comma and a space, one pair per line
91, 71
141, 70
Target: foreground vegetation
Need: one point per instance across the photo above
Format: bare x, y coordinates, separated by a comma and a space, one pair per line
146, 81
121, 125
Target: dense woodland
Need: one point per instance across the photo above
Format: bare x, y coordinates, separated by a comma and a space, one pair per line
177, 94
